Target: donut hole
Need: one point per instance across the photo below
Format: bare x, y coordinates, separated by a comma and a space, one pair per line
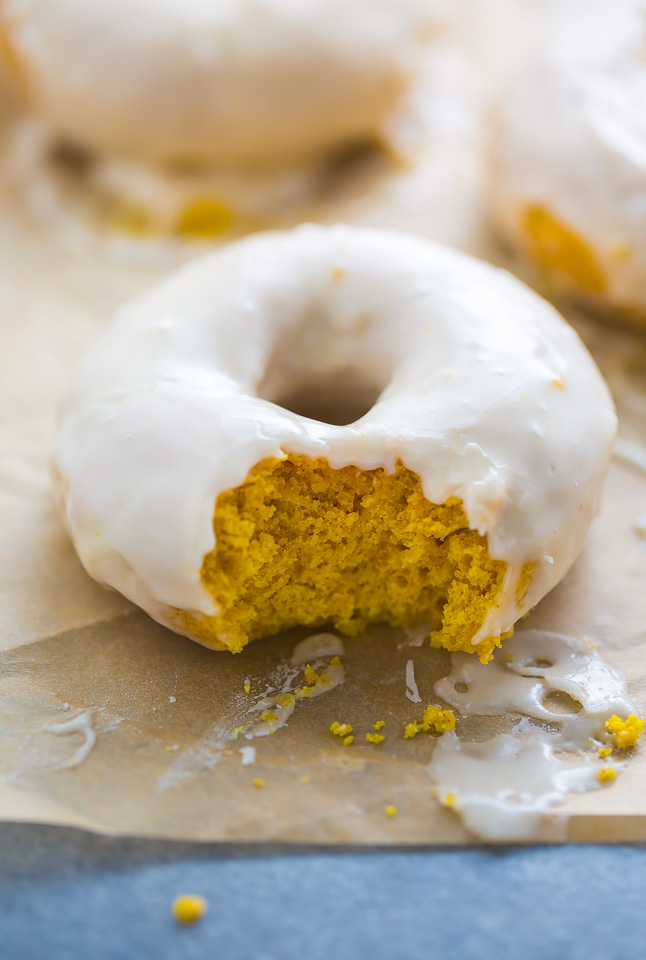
340, 399
302, 544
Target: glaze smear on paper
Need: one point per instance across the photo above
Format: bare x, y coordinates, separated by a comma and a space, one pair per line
511, 786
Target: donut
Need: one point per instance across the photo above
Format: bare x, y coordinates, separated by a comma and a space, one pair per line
412, 160
570, 165
237, 82
334, 425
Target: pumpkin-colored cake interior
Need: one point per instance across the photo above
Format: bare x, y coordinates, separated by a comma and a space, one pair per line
301, 544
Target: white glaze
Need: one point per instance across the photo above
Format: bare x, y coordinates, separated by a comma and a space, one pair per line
315, 647
507, 788
412, 692
285, 679
81, 723
238, 81
247, 756
485, 393
573, 136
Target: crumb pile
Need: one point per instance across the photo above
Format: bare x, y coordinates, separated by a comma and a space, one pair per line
299, 543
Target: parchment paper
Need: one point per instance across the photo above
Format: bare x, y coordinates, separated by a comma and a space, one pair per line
161, 707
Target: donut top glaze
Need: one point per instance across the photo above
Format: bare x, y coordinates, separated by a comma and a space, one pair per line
480, 388
237, 81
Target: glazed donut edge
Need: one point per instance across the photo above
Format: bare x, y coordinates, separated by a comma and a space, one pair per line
459, 498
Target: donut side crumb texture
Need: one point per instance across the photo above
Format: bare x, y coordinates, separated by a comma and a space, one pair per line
558, 247
559, 250
301, 544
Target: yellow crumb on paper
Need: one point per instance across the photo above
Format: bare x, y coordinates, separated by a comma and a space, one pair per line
626, 732
435, 719
390, 810
438, 719
247, 687
235, 732
340, 729
607, 775
448, 800
348, 740
311, 675
375, 737
605, 752
379, 725
189, 908
305, 779
259, 782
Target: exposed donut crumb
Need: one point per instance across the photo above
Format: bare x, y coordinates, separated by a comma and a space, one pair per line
379, 725
375, 737
299, 543
259, 782
305, 780
348, 740
605, 752
390, 810
558, 247
189, 908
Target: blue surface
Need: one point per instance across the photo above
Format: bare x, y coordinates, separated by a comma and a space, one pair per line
66, 894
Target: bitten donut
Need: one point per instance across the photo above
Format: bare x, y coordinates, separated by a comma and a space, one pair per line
570, 186
335, 425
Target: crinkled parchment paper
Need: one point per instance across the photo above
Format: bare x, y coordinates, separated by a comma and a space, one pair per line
112, 723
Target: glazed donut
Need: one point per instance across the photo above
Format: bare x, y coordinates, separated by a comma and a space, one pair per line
201, 473
420, 166
237, 82
570, 185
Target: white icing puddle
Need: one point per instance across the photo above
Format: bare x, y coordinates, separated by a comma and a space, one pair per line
507, 788
315, 647
415, 636
87, 725
82, 724
309, 673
